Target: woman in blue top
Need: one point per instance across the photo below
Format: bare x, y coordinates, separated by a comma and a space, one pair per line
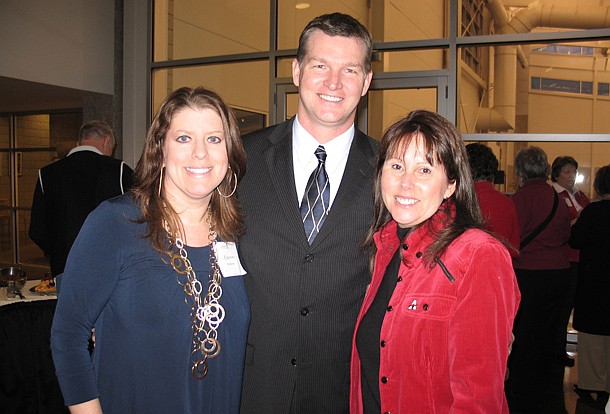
156, 274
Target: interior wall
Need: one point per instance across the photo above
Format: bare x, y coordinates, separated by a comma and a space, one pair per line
291, 20
241, 85
136, 83
67, 43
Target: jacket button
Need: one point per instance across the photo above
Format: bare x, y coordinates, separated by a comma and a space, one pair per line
405, 246
293, 361
390, 308
382, 344
384, 379
399, 279
304, 311
387, 412
419, 255
308, 258
426, 306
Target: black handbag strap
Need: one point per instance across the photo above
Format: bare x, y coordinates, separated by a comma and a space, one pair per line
542, 225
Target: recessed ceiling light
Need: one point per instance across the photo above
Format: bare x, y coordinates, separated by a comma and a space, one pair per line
302, 6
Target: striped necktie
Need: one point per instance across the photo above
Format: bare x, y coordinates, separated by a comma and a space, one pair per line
315, 204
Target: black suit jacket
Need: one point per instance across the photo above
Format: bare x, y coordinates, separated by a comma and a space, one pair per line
304, 299
66, 192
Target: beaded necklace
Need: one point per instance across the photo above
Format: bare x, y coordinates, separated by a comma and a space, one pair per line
206, 310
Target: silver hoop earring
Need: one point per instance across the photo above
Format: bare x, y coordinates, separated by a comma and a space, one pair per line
161, 181
234, 188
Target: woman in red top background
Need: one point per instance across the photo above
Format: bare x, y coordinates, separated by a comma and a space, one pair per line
499, 213
563, 176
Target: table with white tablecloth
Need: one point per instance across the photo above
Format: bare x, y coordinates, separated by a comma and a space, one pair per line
29, 295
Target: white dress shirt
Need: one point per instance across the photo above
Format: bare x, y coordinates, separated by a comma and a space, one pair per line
305, 161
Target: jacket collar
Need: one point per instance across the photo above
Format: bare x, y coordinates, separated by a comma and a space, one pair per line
418, 240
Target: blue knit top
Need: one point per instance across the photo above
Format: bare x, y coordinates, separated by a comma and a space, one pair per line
116, 282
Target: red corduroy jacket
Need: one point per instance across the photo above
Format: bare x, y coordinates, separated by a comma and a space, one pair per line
444, 344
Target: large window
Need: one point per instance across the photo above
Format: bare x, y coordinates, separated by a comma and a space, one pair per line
541, 82
193, 29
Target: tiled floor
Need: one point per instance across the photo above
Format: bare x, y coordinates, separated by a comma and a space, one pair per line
573, 405
570, 378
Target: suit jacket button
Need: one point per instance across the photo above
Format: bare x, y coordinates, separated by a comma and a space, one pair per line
382, 344
293, 361
308, 258
305, 311
384, 380
419, 255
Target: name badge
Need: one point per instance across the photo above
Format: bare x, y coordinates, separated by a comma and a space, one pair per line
228, 259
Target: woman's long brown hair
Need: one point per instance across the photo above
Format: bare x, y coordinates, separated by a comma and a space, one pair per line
444, 146
227, 219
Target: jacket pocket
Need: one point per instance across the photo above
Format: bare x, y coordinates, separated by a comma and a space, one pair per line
428, 306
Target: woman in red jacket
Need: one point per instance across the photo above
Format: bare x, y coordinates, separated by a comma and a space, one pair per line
434, 331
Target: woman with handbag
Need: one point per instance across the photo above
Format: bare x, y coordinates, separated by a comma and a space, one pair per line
542, 268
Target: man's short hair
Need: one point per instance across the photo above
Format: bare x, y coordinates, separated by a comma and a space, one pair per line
95, 130
337, 24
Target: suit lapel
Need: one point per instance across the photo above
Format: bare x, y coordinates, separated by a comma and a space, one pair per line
279, 162
360, 164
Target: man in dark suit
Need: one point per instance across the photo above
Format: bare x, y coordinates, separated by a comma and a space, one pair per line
306, 286
69, 189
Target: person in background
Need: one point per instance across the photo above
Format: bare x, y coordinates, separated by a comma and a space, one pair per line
499, 214
157, 274
591, 234
307, 203
535, 382
434, 332
69, 189
563, 177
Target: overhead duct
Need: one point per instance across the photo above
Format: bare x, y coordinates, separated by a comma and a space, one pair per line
489, 119
566, 14
500, 17
571, 14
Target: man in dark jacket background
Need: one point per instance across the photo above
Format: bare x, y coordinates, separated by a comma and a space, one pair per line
69, 189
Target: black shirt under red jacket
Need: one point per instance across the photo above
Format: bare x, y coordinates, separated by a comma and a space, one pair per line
66, 192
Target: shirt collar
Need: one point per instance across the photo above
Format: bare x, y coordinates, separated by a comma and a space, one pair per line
85, 148
304, 145
561, 189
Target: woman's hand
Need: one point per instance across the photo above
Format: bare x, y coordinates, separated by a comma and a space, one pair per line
88, 407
